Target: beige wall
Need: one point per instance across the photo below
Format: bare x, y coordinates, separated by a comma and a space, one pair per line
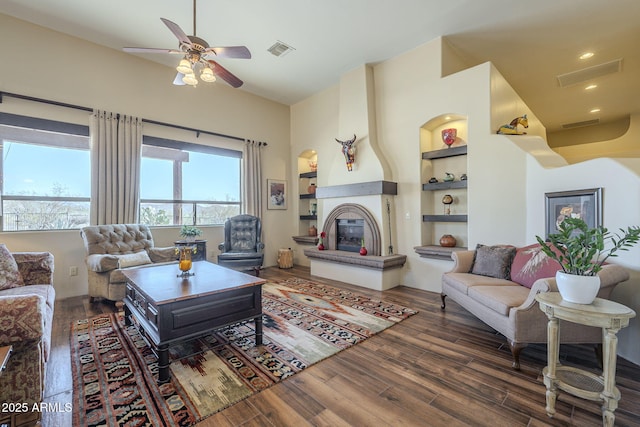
508, 175
41, 63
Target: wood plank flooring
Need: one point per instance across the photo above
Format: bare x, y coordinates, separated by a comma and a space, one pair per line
437, 368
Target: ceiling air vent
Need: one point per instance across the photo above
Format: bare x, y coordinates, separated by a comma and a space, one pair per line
580, 124
588, 74
280, 49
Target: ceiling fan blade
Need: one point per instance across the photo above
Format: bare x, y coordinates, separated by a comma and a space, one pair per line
150, 50
225, 74
178, 80
241, 52
177, 31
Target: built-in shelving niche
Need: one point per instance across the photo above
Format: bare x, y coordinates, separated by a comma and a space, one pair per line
438, 159
307, 204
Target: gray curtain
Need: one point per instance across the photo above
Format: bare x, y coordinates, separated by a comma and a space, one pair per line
116, 144
252, 178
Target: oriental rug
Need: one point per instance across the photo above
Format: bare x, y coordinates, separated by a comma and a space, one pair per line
115, 371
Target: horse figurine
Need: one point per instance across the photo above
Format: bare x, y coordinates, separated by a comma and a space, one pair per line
512, 128
349, 151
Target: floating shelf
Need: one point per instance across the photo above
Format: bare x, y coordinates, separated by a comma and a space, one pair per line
307, 196
444, 218
314, 217
444, 185
306, 240
445, 152
309, 174
437, 252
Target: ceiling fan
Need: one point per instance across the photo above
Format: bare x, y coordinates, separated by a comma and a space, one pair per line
195, 52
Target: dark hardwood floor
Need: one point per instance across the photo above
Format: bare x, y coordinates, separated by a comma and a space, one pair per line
437, 368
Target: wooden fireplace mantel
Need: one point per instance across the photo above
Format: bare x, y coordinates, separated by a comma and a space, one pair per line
371, 188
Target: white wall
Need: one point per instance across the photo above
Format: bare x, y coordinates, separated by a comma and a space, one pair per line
41, 63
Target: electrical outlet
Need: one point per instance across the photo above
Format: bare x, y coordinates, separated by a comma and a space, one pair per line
73, 271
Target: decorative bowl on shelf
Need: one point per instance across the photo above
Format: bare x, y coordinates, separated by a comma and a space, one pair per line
448, 241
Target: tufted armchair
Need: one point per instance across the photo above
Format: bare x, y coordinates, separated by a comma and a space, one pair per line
112, 248
242, 248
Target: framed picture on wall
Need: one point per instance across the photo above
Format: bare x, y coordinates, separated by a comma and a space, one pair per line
277, 191
583, 204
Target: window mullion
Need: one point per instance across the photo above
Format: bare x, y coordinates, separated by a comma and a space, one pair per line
177, 191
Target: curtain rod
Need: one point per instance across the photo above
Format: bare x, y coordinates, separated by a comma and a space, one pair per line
79, 107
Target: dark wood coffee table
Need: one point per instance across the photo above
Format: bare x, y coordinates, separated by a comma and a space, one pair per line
170, 309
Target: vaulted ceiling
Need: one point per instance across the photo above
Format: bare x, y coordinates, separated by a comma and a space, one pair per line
531, 43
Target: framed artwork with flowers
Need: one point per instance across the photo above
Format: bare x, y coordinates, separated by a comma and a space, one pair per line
584, 204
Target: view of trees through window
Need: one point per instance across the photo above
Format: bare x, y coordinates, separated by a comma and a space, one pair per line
46, 182
45, 187
179, 186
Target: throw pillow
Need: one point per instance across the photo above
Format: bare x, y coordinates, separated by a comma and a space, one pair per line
531, 264
133, 260
167, 254
10, 276
493, 261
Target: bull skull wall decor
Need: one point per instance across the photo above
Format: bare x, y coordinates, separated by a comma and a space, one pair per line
349, 151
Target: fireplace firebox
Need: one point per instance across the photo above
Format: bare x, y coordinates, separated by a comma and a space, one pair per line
349, 234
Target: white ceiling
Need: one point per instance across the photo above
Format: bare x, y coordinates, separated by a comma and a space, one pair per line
530, 42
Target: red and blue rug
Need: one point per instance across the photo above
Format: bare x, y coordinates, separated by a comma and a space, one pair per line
115, 372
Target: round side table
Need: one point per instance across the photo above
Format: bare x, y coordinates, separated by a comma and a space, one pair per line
605, 314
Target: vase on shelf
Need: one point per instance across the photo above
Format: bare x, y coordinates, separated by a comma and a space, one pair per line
449, 136
311, 189
313, 231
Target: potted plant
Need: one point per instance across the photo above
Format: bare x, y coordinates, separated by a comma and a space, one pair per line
581, 252
190, 232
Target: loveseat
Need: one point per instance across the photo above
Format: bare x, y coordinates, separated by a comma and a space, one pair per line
115, 247
27, 300
498, 284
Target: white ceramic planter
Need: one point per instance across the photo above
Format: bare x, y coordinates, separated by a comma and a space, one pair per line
577, 289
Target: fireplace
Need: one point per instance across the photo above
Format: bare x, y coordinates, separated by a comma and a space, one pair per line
349, 234
346, 226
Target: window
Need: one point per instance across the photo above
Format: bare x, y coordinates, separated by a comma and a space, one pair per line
185, 183
45, 168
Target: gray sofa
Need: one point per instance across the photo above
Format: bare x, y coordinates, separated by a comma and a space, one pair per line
504, 297
115, 247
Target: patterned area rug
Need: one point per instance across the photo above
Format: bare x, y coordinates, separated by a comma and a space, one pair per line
115, 372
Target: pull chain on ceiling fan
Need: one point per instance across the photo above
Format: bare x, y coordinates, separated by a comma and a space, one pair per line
195, 52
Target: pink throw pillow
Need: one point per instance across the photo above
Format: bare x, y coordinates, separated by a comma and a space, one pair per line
531, 264
10, 276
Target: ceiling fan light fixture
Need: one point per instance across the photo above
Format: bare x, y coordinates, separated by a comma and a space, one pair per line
190, 79
184, 66
207, 75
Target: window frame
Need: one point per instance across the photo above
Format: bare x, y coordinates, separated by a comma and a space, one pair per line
148, 142
30, 130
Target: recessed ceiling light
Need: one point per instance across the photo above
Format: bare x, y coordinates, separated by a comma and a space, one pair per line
586, 55
590, 87
595, 110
